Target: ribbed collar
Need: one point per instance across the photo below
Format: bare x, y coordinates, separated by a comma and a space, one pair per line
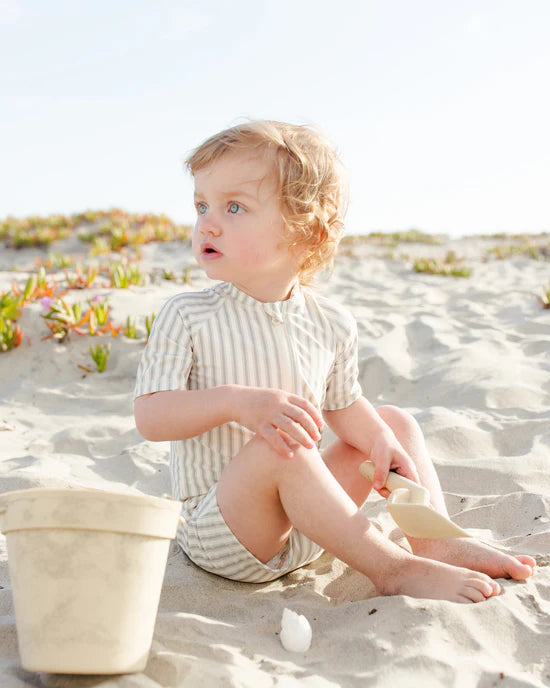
295, 301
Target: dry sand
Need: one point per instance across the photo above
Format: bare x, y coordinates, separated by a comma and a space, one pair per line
470, 358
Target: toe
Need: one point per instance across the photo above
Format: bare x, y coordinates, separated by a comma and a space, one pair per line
527, 560
474, 594
486, 586
496, 588
521, 567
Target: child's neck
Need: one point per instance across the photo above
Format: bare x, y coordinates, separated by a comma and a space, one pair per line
268, 293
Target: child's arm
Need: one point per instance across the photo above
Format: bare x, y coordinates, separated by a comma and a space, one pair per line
179, 414
360, 426
282, 419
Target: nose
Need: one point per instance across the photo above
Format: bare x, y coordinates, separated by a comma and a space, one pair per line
207, 224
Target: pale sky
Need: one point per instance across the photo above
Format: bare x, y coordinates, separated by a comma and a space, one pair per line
440, 110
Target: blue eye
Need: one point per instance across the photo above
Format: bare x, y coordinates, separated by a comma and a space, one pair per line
233, 205
199, 208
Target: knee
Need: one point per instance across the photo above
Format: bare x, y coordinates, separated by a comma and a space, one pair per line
274, 460
397, 418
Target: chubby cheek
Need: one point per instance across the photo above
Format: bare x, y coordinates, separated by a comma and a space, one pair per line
195, 244
251, 255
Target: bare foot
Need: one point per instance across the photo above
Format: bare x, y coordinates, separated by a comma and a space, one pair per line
438, 581
474, 555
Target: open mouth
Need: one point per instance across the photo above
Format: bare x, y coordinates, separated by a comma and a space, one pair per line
208, 251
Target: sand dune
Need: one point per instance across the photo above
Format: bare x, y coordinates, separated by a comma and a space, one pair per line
470, 358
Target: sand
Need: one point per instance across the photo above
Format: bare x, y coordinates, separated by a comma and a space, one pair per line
470, 358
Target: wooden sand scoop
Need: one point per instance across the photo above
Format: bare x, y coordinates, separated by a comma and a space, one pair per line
409, 506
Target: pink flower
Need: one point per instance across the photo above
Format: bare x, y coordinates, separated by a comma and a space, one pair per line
46, 302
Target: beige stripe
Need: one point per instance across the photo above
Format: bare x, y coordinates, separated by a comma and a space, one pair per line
204, 339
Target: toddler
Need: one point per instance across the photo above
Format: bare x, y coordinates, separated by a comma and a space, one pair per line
241, 378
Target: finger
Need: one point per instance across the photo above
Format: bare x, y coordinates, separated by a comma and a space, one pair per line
292, 444
309, 408
295, 430
380, 476
405, 466
275, 441
301, 416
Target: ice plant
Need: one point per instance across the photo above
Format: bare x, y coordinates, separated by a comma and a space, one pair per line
130, 330
436, 267
10, 306
81, 278
63, 318
10, 334
37, 286
98, 321
99, 247
100, 355
123, 275
544, 297
149, 324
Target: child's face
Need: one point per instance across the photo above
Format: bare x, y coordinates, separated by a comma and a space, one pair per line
238, 234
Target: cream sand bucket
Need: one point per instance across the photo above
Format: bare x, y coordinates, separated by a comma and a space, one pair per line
86, 569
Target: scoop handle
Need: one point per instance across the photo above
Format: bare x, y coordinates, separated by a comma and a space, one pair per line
394, 480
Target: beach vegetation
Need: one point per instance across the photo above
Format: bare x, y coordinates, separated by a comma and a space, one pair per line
149, 320
187, 276
393, 239
531, 249
130, 329
100, 247
99, 322
100, 355
34, 231
10, 305
117, 229
82, 277
59, 261
347, 251
451, 266
524, 236
11, 335
123, 275
120, 230
63, 318
544, 297
37, 286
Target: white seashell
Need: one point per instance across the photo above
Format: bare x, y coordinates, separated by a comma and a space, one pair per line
295, 632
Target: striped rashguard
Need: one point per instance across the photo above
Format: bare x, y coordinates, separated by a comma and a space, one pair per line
306, 345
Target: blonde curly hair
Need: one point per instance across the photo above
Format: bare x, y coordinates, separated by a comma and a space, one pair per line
312, 183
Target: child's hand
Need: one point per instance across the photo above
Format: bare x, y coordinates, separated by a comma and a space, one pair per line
387, 455
284, 420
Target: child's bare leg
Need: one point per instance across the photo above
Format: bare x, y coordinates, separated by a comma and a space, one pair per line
470, 554
262, 496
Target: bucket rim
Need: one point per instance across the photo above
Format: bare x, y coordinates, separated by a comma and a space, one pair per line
165, 502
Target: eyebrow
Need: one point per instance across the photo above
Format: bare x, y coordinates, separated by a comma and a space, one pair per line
229, 194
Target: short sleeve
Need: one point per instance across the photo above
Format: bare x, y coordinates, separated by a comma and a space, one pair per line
166, 361
343, 386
